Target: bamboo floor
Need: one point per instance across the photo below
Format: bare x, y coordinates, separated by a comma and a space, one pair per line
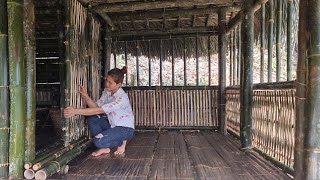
176, 155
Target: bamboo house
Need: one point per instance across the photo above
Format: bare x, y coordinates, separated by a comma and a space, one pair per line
220, 89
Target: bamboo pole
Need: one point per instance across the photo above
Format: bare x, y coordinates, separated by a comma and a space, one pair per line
222, 69
299, 172
29, 31
17, 88
239, 54
4, 92
67, 85
172, 56
197, 61
263, 41
184, 63
61, 54
311, 142
270, 40
161, 58
278, 40
137, 62
149, 64
246, 79
289, 39
55, 166
234, 60
209, 60
126, 59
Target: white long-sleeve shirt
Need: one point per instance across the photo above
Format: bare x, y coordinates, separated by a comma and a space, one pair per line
117, 107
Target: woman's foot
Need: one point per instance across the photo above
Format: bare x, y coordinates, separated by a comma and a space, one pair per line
121, 149
100, 152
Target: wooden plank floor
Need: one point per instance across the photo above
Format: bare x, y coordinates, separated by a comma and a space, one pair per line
176, 155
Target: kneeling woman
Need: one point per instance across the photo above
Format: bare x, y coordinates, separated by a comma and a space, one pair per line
117, 127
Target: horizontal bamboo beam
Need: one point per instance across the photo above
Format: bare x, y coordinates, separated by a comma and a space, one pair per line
237, 19
170, 88
167, 32
108, 20
171, 13
137, 6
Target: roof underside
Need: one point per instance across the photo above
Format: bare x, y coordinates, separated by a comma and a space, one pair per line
161, 17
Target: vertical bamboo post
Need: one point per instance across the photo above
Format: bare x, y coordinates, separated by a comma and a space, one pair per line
126, 58
209, 60
197, 61
67, 85
61, 53
301, 91
172, 56
270, 40
29, 31
234, 61
230, 59
311, 131
184, 62
17, 88
161, 58
278, 40
222, 68
4, 92
108, 42
239, 54
246, 79
114, 54
137, 61
149, 63
263, 41
289, 39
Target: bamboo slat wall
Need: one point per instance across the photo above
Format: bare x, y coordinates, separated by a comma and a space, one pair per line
174, 108
81, 69
273, 121
233, 110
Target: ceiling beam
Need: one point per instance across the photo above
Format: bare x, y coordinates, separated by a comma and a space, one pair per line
138, 6
174, 31
172, 13
108, 20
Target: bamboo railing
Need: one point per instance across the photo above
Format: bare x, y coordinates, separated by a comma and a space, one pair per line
273, 121
170, 107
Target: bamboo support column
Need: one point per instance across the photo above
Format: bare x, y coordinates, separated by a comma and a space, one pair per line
246, 79
222, 69
108, 54
289, 39
17, 88
209, 60
278, 39
126, 59
29, 31
4, 92
184, 62
234, 60
239, 54
310, 130
299, 172
263, 41
197, 61
137, 62
61, 53
149, 64
270, 40
161, 58
172, 62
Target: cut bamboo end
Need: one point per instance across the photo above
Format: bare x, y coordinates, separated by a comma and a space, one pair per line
29, 174
27, 166
36, 166
64, 169
41, 175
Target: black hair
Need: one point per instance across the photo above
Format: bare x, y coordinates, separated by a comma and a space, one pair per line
118, 74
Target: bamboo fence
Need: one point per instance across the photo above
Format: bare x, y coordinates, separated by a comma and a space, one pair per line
273, 122
169, 107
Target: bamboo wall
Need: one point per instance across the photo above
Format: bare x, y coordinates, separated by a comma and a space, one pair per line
273, 121
170, 107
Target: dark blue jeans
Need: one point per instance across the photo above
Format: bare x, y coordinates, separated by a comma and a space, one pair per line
112, 137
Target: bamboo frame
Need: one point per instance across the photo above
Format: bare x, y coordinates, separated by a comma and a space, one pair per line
246, 80
222, 69
289, 39
263, 41
29, 32
4, 92
270, 39
301, 93
278, 40
17, 88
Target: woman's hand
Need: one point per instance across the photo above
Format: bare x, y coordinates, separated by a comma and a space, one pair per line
69, 112
82, 91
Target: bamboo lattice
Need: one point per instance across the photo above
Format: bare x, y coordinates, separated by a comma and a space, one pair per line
233, 110
81, 68
174, 108
273, 121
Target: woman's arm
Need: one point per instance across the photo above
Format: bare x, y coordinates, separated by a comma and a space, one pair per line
90, 103
70, 111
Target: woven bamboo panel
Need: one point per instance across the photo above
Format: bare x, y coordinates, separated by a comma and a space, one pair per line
273, 122
233, 110
174, 108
